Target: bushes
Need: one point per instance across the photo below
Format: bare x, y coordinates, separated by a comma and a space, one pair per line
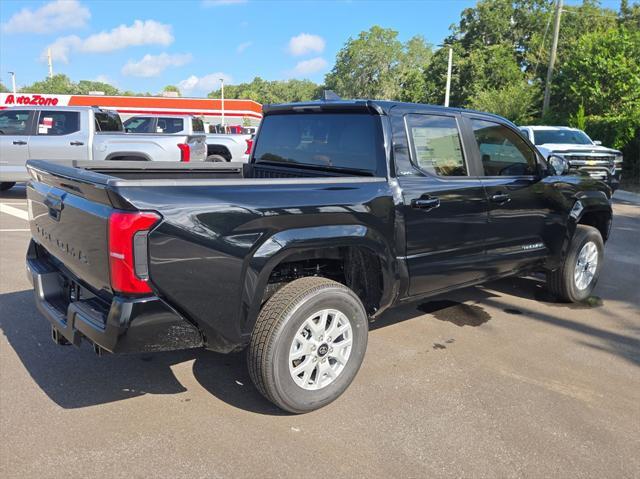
620, 132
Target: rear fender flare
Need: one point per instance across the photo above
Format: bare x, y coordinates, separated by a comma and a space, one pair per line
275, 249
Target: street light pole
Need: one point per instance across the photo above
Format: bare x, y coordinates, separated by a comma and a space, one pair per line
448, 90
552, 59
13, 82
222, 101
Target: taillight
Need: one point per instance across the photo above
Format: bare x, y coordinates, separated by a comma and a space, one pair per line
185, 152
128, 262
249, 146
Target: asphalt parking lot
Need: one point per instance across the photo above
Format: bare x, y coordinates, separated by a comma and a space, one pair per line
492, 381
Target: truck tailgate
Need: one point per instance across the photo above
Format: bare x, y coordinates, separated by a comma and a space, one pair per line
69, 219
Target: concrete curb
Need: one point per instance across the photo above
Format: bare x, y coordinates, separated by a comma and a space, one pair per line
627, 196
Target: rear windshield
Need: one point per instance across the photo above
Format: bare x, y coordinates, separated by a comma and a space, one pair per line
198, 125
339, 141
107, 121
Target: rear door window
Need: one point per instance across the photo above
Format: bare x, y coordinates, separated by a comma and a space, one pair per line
58, 123
336, 141
14, 122
435, 144
141, 124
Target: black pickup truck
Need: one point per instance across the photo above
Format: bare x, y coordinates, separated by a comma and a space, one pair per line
345, 209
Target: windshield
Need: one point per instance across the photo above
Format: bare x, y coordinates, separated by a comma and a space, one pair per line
347, 141
571, 137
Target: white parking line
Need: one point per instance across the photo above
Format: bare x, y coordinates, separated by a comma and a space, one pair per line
12, 230
10, 210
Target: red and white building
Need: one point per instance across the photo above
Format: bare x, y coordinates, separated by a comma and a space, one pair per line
235, 111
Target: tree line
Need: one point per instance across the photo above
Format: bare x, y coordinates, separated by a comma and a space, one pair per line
500, 51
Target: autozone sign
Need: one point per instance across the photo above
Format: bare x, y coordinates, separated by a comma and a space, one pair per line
37, 100
131, 105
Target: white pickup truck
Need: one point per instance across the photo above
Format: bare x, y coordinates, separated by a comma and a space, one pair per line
220, 147
81, 133
581, 152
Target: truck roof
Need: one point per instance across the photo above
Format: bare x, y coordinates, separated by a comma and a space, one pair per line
381, 107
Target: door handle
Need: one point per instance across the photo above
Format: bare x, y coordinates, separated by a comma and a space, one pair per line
19, 142
76, 143
425, 203
500, 198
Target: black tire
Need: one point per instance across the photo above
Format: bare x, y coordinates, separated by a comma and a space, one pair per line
216, 158
277, 325
561, 282
7, 185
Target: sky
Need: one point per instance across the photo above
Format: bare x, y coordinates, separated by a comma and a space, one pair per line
147, 44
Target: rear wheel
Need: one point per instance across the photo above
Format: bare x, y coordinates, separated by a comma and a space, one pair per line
7, 185
576, 278
216, 158
308, 344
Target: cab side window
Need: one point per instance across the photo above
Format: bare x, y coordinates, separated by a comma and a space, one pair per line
503, 151
170, 125
57, 123
435, 144
141, 124
14, 122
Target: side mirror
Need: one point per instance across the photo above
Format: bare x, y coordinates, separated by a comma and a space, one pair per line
597, 142
559, 166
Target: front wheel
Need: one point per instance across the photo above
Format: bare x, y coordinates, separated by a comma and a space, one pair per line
7, 185
576, 278
308, 344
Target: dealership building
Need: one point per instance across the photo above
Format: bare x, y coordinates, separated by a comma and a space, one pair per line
213, 111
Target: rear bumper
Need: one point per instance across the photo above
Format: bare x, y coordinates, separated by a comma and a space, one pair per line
126, 325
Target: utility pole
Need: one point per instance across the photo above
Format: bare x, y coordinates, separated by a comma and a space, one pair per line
50, 63
222, 102
13, 82
552, 58
448, 90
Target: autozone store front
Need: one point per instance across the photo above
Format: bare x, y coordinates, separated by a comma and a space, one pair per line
235, 112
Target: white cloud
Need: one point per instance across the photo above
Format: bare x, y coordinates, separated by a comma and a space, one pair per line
306, 43
147, 32
153, 65
243, 46
51, 17
220, 3
307, 67
204, 84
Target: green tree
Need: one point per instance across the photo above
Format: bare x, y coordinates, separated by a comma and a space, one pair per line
378, 65
267, 92
603, 73
172, 88
85, 86
515, 101
58, 84
3, 89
